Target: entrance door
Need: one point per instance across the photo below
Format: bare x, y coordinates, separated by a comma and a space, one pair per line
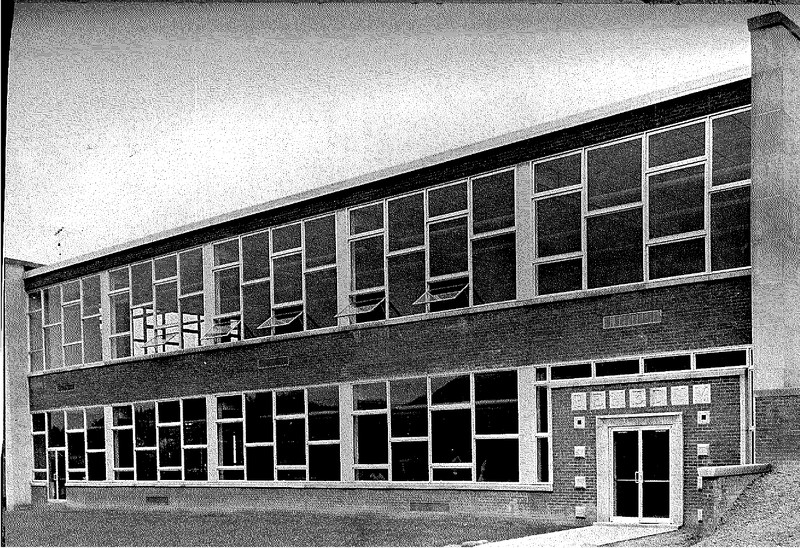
641, 468
57, 470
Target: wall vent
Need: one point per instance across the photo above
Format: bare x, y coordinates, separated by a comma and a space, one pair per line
632, 319
417, 506
65, 387
271, 363
158, 500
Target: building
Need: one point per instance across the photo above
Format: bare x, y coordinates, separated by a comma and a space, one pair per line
564, 323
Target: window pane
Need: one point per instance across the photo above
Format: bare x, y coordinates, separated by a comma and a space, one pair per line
497, 385
167, 304
226, 252
258, 411
120, 313
37, 360
229, 407
52, 347
677, 201
35, 301
451, 433
324, 463
55, 433
497, 417
542, 410
615, 174
497, 460
123, 449
72, 323
731, 154
728, 358
290, 441
169, 411
543, 459
446, 474
367, 258
560, 276
194, 421
574, 371
73, 354
406, 283
226, 284
369, 396
260, 463
169, 446
195, 462
558, 225
39, 452
91, 295
95, 428
191, 271
448, 247
406, 222
621, 367
38, 423
255, 309
142, 323
730, 228
291, 475
71, 291
288, 278
166, 267
323, 413
123, 416
666, 363
447, 199
677, 144
75, 419
678, 258
321, 301
494, 269
96, 464
286, 237
410, 460
493, 202
367, 218
146, 466
614, 248
231, 475
290, 402
450, 389
255, 256
35, 330
52, 305
557, 173
76, 450
118, 279
191, 320
321, 241
142, 283
231, 442
145, 414
409, 408
371, 439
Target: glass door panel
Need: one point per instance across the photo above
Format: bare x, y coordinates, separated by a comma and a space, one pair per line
56, 484
626, 474
655, 474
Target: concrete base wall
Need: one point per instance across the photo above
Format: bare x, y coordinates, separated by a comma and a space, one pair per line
778, 425
718, 496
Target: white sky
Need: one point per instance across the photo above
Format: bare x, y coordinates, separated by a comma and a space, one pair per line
129, 119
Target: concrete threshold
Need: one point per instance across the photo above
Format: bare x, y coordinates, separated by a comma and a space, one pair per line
593, 535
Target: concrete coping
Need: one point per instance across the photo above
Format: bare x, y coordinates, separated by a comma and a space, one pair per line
773, 19
733, 470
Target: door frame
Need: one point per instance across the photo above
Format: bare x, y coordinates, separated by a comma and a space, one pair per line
62, 478
673, 422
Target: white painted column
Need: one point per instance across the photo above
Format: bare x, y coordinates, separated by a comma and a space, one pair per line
108, 420
342, 265
105, 316
208, 290
524, 220
346, 431
211, 438
526, 394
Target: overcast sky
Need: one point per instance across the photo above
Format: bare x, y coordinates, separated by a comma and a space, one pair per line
129, 119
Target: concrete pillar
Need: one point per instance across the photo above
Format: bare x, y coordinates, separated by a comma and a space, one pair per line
18, 443
775, 217
524, 232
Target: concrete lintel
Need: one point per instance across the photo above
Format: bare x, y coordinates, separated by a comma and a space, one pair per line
773, 19
733, 470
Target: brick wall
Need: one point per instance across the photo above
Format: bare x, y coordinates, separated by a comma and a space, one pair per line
696, 315
777, 426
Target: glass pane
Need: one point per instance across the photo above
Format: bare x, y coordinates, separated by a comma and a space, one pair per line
615, 174
96, 464
614, 248
191, 271
410, 461
52, 347
73, 354
166, 267
497, 460
369, 396
542, 409
38, 422
52, 305
447, 199
146, 466
226, 283
493, 202
406, 222
72, 323
323, 399
409, 408
367, 218
142, 283
290, 402
37, 360
75, 419
169, 411
677, 201
92, 343
454, 389
621, 367
448, 247
226, 252
626, 455
494, 269
655, 455
451, 433
71, 291
35, 301
558, 225
543, 459
290, 441
445, 474
497, 385
123, 416
76, 450
124, 475
666, 363
323, 413
729, 358
91, 295
406, 283
191, 320
321, 304
496, 417
195, 463
123, 449
231, 444
55, 433
557, 173
35, 330
574, 371
227, 475
321, 241
255, 309
678, 258
95, 432
120, 313
731, 154
260, 463
143, 328
229, 407
367, 258
371, 439
730, 229
324, 463
655, 500
194, 421
167, 304
286, 237
677, 144
292, 475
118, 279
288, 278
169, 446
560, 277
258, 412
145, 414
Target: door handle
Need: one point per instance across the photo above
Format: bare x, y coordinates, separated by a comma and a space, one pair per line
636, 477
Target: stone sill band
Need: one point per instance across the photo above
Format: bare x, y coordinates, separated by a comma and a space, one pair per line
733, 470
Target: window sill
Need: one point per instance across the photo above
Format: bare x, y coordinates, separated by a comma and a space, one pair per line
438, 486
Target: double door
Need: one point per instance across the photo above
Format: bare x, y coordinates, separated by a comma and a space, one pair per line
641, 474
56, 475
